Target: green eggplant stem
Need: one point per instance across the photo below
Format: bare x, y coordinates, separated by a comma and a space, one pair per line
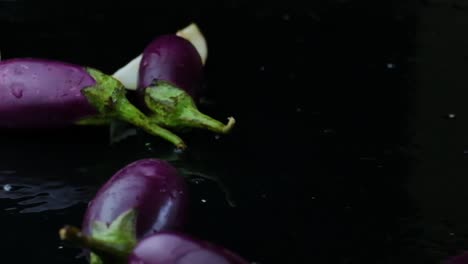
172, 107
108, 243
106, 252
108, 96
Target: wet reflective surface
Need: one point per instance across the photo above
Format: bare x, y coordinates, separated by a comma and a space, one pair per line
351, 144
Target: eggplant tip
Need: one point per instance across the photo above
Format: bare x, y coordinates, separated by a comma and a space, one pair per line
63, 233
229, 125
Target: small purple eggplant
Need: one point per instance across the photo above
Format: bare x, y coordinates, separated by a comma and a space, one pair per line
153, 187
40, 93
173, 59
170, 73
161, 248
174, 248
144, 197
128, 74
43, 93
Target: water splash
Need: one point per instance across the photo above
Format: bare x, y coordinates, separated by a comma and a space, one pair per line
35, 195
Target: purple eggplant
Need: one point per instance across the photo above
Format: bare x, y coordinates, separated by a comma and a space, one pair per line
173, 59
44, 93
144, 197
153, 187
161, 248
40, 93
128, 74
174, 248
170, 72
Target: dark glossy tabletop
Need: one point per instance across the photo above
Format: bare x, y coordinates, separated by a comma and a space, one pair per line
352, 137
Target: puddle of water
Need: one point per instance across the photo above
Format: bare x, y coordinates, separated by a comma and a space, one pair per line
35, 195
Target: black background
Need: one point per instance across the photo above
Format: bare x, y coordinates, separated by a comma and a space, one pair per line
351, 136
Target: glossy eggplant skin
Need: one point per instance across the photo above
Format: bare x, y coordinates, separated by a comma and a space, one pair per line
175, 248
173, 59
43, 93
152, 187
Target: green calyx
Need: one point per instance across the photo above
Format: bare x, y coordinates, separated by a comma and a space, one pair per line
108, 244
108, 96
121, 234
173, 107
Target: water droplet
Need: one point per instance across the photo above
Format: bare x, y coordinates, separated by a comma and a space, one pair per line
7, 187
148, 146
203, 200
196, 181
451, 116
60, 247
178, 151
16, 90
